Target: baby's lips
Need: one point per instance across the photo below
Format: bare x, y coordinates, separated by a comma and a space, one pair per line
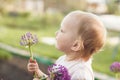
32, 61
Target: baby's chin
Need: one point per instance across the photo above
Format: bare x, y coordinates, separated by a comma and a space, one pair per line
57, 47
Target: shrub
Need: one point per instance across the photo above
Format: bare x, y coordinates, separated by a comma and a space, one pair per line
45, 21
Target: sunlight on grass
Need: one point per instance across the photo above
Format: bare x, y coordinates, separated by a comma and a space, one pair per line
12, 37
5, 54
103, 60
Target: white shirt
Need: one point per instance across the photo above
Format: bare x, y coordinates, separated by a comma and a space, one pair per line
78, 70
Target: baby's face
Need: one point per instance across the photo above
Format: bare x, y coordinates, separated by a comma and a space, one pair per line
67, 34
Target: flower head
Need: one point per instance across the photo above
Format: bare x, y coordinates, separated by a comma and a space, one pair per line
58, 72
28, 39
115, 67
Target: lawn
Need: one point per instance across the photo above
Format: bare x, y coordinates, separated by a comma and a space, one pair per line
101, 60
17, 26
11, 36
5, 54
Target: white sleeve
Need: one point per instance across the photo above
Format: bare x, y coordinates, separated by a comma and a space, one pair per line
60, 59
82, 74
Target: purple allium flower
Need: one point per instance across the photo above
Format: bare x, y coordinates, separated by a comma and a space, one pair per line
58, 72
29, 39
115, 67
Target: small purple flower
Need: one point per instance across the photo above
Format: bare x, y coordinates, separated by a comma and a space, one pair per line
58, 72
115, 67
28, 39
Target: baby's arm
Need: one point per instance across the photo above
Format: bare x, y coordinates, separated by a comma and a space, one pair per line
34, 68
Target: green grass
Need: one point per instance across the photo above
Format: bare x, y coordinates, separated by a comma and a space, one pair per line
11, 35
101, 60
42, 26
45, 21
5, 54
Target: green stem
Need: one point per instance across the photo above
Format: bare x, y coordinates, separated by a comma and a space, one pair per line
117, 75
30, 50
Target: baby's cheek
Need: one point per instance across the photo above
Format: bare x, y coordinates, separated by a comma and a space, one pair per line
62, 42
59, 46
63, 47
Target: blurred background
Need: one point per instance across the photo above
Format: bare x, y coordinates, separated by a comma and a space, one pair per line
43, 18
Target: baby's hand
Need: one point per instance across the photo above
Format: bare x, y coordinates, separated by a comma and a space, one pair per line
32, 66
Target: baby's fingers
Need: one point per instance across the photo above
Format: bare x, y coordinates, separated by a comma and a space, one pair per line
32, 67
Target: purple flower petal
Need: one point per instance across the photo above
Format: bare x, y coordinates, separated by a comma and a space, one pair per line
28, 39
59, 71
115, 67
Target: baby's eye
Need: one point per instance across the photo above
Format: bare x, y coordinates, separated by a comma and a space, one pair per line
61, 30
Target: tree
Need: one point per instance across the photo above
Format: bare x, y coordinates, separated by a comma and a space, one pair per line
3, 4
113, 6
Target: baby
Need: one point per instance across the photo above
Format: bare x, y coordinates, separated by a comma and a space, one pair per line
80, 36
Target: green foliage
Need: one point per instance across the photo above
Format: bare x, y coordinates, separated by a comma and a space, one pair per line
103, 60
24, 14
113, 7
45, 21
5, 54
47, 50
41, 48
45, 26
113, 34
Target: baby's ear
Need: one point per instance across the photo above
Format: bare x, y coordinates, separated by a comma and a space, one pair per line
77, 45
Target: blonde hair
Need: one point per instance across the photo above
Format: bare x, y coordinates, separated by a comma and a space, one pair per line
91, 31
